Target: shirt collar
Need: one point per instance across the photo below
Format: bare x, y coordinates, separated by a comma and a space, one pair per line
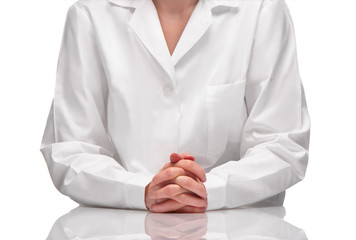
145, 23
211, 3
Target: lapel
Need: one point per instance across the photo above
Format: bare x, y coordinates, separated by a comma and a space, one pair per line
145, 23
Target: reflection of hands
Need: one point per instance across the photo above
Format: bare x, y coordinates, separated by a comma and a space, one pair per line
110, 223
178, 187
176, 226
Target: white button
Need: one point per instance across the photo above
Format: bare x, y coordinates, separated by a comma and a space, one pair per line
167, 90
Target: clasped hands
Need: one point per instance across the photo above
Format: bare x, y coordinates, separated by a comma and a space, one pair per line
178, 187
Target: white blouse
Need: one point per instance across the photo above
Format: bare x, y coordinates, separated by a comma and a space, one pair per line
230, 95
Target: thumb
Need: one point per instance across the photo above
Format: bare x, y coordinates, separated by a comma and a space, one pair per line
175, 157
186, 155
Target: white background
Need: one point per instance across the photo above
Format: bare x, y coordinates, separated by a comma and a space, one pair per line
323, 204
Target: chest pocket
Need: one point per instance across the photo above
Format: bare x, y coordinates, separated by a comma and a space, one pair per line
223, 101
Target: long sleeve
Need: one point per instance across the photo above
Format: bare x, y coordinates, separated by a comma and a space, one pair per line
275, 138
76, 146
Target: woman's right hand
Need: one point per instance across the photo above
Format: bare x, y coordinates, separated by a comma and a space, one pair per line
178, 187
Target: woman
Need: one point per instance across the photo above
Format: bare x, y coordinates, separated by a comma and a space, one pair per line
181, 106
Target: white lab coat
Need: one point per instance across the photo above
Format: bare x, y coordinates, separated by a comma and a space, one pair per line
231, 95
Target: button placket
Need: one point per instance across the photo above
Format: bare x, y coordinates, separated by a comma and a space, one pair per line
167, 90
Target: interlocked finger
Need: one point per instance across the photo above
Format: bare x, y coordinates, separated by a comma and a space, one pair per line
167, 175
191, 200
191, 209
191, 185
190, 166
166, 206
175, 157
169, 191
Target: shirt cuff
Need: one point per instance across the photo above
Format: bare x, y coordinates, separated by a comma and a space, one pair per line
216, 190
135, 192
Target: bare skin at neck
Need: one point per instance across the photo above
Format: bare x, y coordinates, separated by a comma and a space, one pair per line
175, 8
174, 16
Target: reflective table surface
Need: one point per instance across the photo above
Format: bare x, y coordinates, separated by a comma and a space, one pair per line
106, 223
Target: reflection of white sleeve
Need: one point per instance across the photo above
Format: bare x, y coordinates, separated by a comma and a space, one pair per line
275, 138
76, 146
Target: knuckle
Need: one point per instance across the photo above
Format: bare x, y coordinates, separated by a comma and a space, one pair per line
173, 171
203, 189
189, 163
155, 208
152, 208
182, 180
155, 178
167, 165
155, 195
169, 172
181, 171
201, 203
170, 190
183, 197
188, 182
